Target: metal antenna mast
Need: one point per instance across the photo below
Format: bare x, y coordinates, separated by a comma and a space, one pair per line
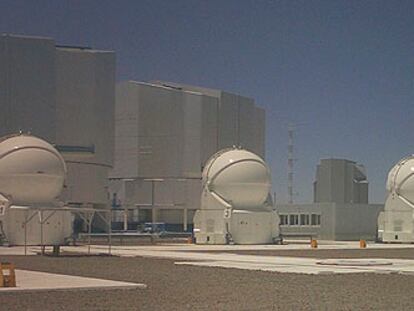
291, 129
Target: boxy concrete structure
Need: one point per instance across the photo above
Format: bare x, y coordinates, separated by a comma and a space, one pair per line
340, 181
164, 134
340, 210
66, 96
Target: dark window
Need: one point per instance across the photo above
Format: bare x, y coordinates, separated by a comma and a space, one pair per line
293, 220
304, 219
315, 220
284, 220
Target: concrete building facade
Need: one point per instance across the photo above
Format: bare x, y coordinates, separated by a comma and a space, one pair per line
330, 221
66, 96
340, 210
164, 134
340, 181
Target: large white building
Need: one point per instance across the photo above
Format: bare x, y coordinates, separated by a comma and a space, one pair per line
66, 96
164, 134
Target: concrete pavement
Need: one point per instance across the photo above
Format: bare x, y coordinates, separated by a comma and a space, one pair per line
29, 281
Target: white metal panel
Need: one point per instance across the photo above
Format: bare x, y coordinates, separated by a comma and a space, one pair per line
254, 227
397, 224
55, 230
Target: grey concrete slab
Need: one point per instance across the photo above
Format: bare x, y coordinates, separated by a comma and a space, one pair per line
41, 281
271, 267
311, 266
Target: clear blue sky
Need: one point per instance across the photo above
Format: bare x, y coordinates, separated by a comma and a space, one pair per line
343, 70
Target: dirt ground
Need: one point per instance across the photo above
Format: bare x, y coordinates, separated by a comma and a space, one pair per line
173, 287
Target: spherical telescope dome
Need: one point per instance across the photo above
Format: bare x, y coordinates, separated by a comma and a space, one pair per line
31, 170
238, 176
401, 179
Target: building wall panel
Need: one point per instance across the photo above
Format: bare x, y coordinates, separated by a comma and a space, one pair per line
192, 150
260, 132
247, 124
209, 129
27, 86
85, 102
228, 116
356, 221
85, 81
86, 183
126, 131
160, 131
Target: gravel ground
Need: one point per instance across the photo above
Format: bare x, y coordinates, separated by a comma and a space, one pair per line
173, 287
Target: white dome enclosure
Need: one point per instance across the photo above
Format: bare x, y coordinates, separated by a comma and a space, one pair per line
31, 170
32, 176
396, 222
236, 206
238, 176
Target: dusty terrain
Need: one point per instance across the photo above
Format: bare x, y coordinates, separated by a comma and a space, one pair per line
173, 287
